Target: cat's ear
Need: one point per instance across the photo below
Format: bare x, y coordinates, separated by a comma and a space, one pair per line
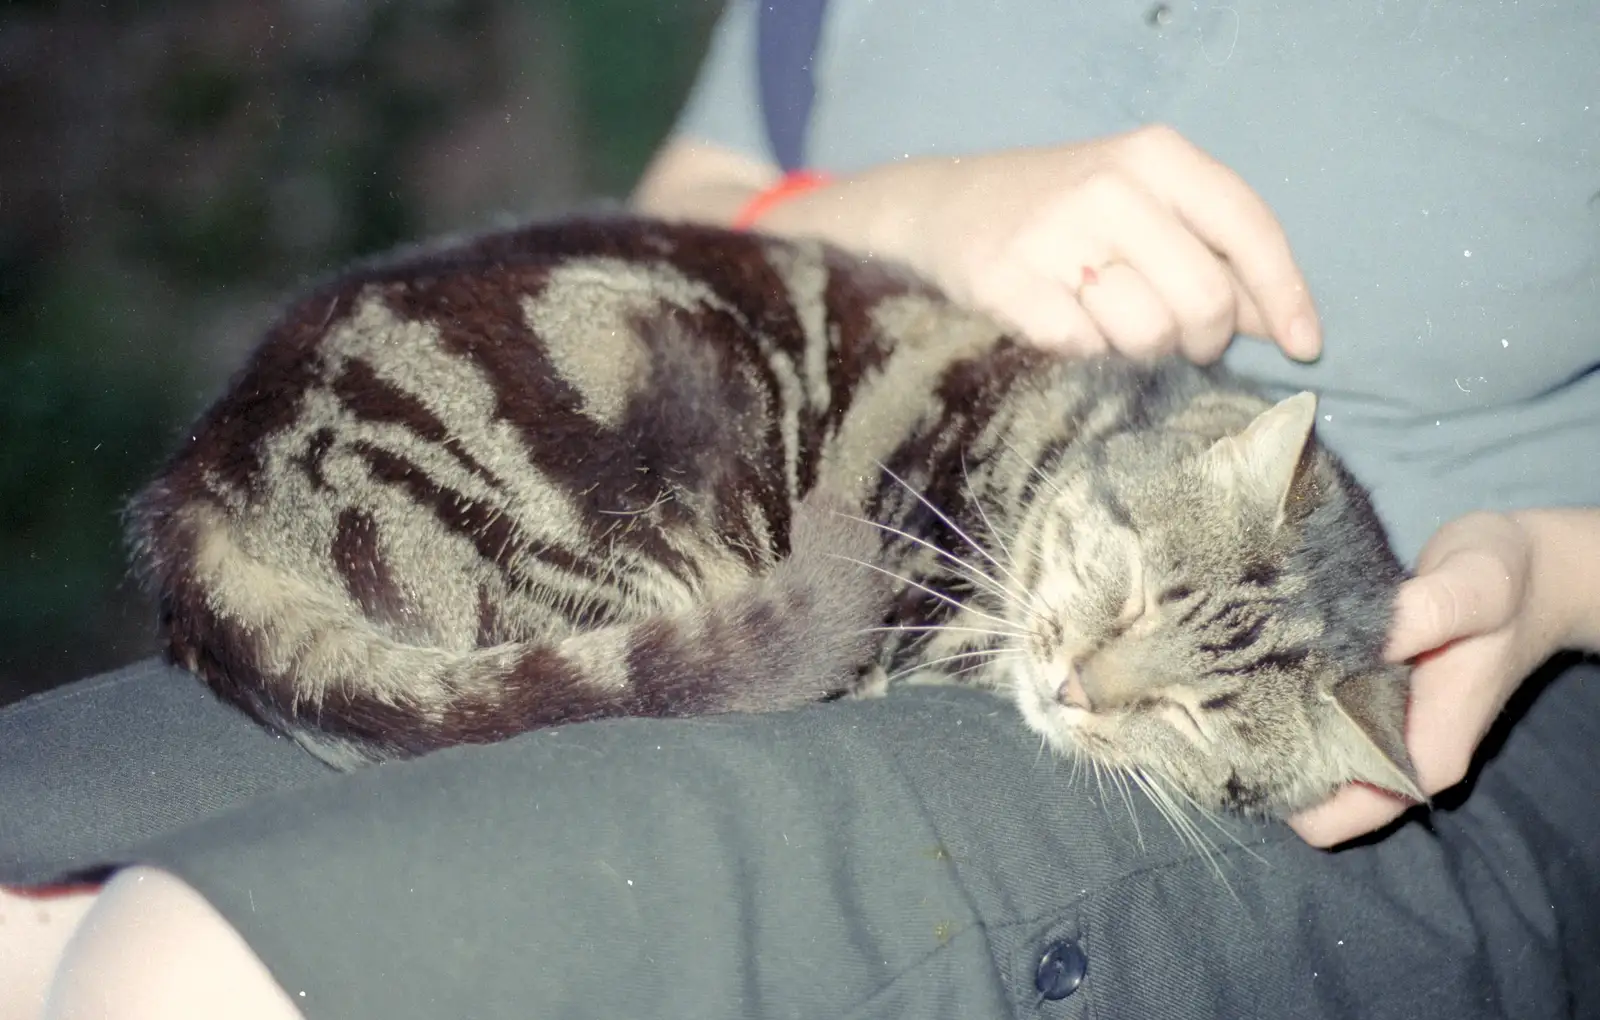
1265, 461
1370, 716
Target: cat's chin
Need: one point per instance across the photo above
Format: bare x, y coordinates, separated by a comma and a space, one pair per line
1047, 716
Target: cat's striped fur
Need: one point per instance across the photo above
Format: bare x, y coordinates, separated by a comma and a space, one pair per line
623, 468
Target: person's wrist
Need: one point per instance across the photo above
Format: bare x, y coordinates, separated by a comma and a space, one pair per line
900, 202
787, 188
828, 212
890, 211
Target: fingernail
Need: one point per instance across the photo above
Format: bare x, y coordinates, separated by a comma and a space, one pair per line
1304, 339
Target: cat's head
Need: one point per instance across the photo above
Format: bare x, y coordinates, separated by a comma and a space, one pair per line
1212, 614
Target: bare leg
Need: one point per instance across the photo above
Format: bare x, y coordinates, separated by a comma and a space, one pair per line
152, 947
34, 930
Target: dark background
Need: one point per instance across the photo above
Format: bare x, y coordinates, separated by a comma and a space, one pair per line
168, 171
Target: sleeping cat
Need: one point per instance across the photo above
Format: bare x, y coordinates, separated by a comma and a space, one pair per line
628, 468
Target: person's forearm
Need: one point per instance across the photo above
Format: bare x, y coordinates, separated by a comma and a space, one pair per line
715, 203
1566, 550
872, 212
700, 183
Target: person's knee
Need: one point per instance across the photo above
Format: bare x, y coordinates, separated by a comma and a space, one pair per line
153, 947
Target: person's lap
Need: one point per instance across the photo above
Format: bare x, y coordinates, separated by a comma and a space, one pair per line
89, 769
915, 854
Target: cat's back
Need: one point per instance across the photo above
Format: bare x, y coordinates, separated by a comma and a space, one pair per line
437, 472
569, 312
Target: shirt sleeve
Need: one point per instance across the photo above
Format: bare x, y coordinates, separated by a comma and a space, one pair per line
724, 106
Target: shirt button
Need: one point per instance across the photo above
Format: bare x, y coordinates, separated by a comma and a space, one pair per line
1158, 16
1061, 970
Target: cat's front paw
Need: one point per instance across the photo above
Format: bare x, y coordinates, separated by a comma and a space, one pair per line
872, 683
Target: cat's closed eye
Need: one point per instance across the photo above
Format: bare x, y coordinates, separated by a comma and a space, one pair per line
1176, 593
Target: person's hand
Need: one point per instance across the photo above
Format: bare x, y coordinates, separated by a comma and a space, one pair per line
1140, 242
1476, 620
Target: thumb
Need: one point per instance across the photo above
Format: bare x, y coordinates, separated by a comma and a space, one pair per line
1354, 811
1467, 592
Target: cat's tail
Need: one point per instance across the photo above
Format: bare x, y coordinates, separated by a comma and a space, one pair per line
304, 663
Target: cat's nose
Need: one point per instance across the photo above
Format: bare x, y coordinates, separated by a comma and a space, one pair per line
1072, 692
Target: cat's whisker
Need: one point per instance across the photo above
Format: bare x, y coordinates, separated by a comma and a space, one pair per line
972, 668
1180, 825
1040, 609
1119, 779
1034, 467
989, 526
941, 596
1011, 570
1169, 809
994, 533
1119, 783
1161, 796
932, 627
987, 654
1210, 818
969, 571
951, 674
952, 525
1028, 602
1099, 781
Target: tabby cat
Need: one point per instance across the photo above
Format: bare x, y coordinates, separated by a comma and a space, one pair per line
627, 468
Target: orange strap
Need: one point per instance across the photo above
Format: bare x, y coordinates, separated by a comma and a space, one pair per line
795, 182
49, 892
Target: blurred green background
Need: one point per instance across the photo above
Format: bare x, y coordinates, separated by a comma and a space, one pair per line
168, 171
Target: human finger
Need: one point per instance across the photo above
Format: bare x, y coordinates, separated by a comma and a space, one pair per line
1159, 284
1040, 308
1248, 318
1133, 318
1469, 593
1236, 223
1451, 709
1354, 811
1481, 530
1471, 577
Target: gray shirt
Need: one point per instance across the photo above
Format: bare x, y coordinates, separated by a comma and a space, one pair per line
1437, 167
